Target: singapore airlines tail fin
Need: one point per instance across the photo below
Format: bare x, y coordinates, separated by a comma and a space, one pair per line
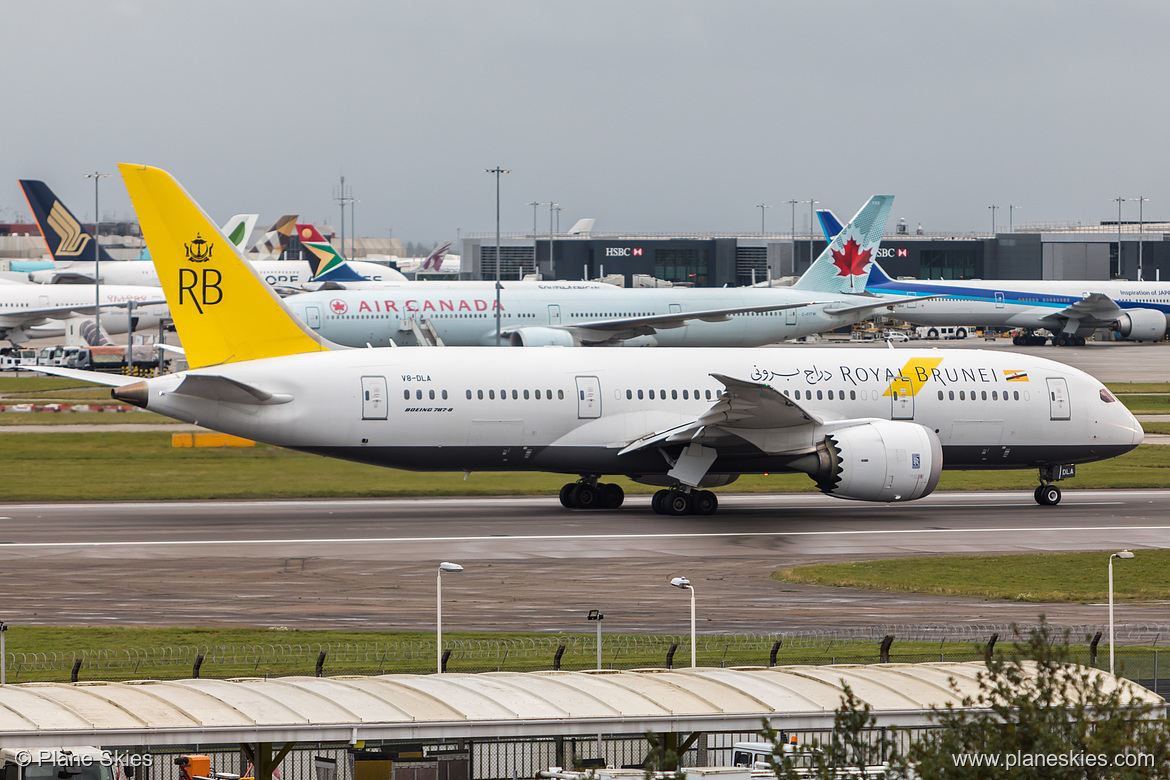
830, 225
327, 263
67, 240
218, 303
844, 265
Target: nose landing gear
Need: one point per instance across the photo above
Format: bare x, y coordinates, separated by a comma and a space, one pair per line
1048, 494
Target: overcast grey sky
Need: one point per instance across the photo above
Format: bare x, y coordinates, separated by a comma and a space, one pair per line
664, 116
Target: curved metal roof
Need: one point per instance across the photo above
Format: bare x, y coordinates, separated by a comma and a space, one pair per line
476, 705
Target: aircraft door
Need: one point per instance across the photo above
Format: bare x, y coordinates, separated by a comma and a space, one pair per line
999, 300
373, 398
313, 317
1058, 403
588, 397
902, 396
554, 314
790, 316
676, 308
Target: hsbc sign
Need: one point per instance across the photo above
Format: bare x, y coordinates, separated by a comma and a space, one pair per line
886, 253
623, 251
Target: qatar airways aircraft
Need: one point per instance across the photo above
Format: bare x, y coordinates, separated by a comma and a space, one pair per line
873, 425
536, 314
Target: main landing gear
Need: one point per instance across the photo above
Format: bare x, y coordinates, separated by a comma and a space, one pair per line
1048, 494
588, 493
681, 501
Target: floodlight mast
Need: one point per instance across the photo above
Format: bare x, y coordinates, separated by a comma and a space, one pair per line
1124, 555
685, 584
453, 568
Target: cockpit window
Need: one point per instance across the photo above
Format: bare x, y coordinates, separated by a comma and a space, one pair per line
1107, 396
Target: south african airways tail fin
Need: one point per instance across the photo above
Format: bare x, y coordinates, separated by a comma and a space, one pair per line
223, 311
327, 264
844, 265
67, 240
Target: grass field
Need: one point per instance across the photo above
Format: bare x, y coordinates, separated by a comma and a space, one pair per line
1058, 577
144, 466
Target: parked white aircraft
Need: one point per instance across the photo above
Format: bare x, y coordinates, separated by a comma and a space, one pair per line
875, 425
25, 306
537, 314
1069, 309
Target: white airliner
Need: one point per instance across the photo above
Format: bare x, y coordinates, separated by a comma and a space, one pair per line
25, 306
876, 425
1069, 309
537, 314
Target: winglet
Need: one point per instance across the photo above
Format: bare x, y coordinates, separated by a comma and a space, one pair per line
844, 265
223, 311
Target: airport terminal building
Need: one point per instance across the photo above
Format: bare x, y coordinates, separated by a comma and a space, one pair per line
716, 260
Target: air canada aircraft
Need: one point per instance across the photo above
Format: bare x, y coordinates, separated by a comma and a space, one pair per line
538, 314
1069, 309
872, 425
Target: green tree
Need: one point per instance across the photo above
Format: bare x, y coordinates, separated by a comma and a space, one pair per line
1042, 716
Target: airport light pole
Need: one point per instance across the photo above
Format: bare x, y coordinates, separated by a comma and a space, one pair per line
1141, 202
993, 208
343, 200
1011, 208
685, 584
97, 234
1124, 554
551, 206
497, 171
761, 207
595, 614
811, 219
1119, 200
444, 566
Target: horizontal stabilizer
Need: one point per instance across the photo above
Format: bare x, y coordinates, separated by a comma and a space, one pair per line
223, 389
97, 377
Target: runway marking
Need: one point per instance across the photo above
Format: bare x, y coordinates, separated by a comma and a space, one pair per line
574, 537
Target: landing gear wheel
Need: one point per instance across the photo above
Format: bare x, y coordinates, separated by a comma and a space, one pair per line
1048, 495
1018, 341
677, 503
704, 502
567, 495
658, 502
584, 496
611, 496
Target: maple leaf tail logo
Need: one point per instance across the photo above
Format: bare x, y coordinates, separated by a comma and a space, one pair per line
851, 260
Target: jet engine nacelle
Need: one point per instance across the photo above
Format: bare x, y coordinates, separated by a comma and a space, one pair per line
881, 460
1142, 324
541, 337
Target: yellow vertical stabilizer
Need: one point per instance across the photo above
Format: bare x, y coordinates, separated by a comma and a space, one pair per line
223, 311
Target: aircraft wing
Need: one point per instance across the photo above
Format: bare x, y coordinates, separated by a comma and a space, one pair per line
744, 405
611, 331
66, 311
882, 303
1094, 307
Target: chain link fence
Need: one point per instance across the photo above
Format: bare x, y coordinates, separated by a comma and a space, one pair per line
1138, 655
